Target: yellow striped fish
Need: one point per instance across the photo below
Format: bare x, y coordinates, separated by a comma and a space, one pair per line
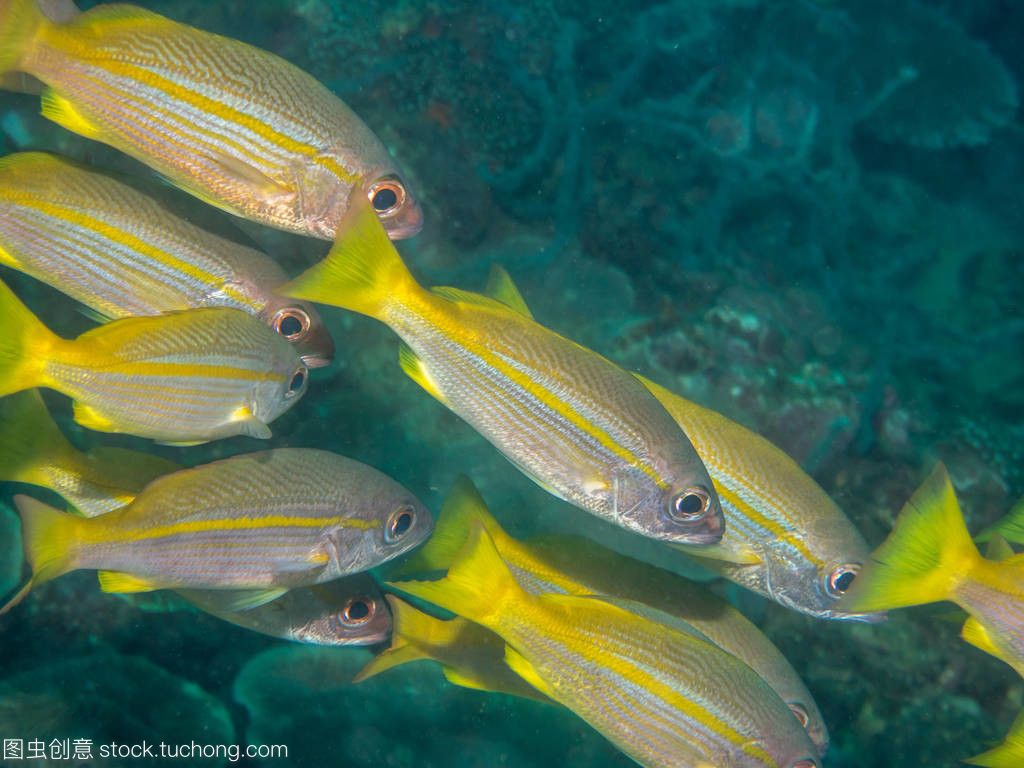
786, 539
237, 127
664, 697
344, 612
33, 451
929, 556
186, 377
123, 254
469, 655
577, 566
260, 523
577, 424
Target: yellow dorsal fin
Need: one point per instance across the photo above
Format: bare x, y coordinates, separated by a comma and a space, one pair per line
501, 287
522, 667
467, 297
417, 371
115, 581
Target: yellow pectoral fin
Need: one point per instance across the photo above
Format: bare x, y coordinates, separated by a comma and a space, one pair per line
57, 108
115, 581
522, 667
416, 371
90, 418
976, 634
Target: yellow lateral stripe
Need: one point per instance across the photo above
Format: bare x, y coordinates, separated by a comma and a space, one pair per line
632, 672
232, 524
142, 368
130, 241
525, 383
227, 113
781, 534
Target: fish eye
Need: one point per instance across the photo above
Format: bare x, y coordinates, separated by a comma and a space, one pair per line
357, 611
690, 505
399, 523
387, 196
840, 579
297, 382
805, 764
292, 323
801, 714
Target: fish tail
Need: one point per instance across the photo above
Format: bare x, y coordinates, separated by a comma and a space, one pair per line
25, 345
398, 654
1009, 754
30, 440
410, 629
49, 537
461, 509
362, 272
20, 23
479, 586
928, 553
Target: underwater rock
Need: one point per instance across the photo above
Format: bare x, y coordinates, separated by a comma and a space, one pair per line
304, 697
105, 698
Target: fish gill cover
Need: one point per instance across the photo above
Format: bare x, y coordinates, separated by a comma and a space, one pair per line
802, 214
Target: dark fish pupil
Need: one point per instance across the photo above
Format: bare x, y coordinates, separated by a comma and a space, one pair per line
403, 523
297, 381
385, 198
843, 581
290, 326
690, 504
357, 611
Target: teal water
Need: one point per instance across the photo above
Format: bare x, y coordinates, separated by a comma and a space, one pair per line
805, 215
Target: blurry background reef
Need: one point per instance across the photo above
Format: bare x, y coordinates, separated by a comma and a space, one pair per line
806, 215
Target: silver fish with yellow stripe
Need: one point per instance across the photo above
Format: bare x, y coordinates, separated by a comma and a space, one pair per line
123, 254
786, 539
577, 424
186, 377
663, 697
577, 566
259, 523
236, 126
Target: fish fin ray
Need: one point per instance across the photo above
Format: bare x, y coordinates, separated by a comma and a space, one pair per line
974, 632
117, 581
25, 346
89, 417
49, 537
415, 369
60, 110
522, 667
395, 656
500, 286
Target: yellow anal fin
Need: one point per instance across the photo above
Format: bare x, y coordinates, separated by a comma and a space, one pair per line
417, 371
90, 418
116, 581
182, 443
501, 287
57, 108
522, 667
976, 634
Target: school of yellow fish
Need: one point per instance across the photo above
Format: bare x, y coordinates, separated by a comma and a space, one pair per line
200, 338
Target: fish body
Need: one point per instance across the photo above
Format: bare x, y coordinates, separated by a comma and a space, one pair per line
577, 424
123, 254
577, 566
33, 451
264, 522
234, 125
785, 539
663, 697
470, 655
186, 377
344, 612
929, 557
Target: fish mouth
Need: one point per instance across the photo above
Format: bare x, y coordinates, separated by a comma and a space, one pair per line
866, 618
316, 360
404, 223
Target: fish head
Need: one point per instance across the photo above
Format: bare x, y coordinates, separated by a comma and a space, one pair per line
386, 525
350, 611
683, 513
275, 394
301, 325
397, 209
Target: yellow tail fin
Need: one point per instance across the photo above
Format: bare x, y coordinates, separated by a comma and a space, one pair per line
25, 344
1009, 754
362, 272
30, 440
398, 654
462, 507
20, 21
50, 537
413, 633
928, 552
479, 586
